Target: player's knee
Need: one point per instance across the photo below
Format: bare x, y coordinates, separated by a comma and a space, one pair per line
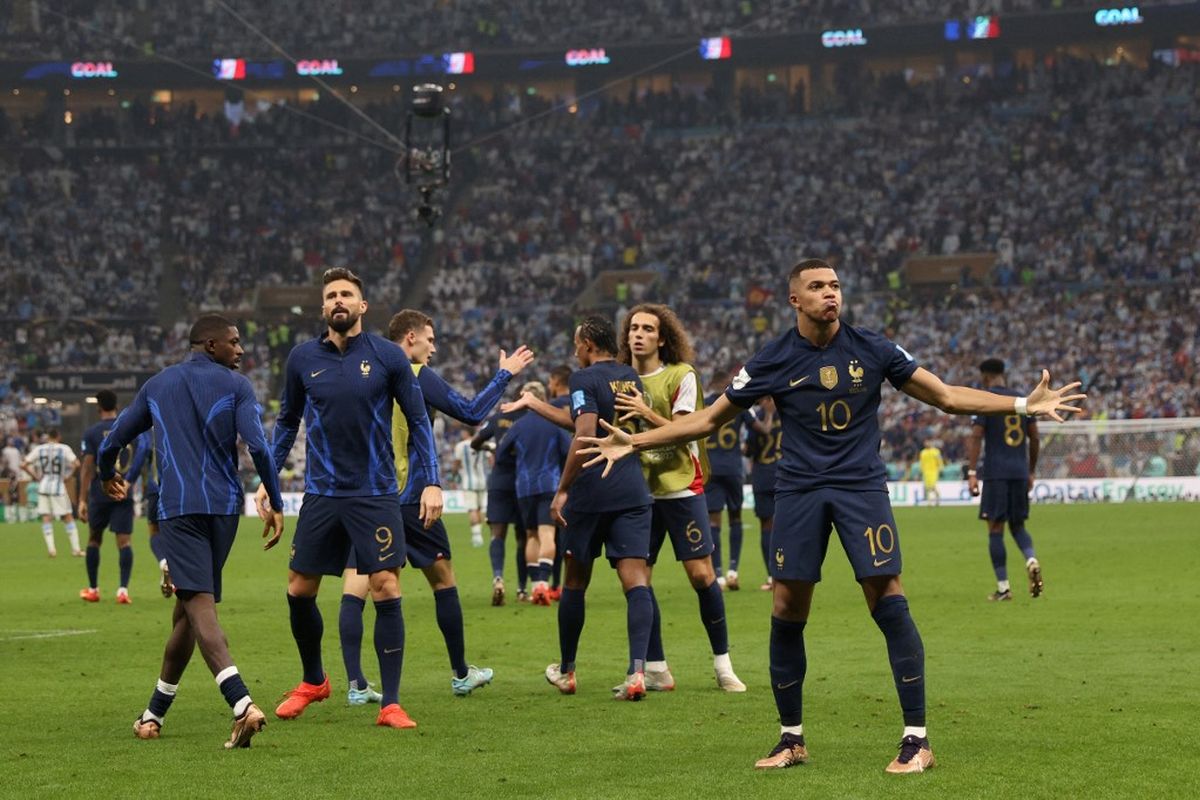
302, 585
385, 585
700, 573
440, 575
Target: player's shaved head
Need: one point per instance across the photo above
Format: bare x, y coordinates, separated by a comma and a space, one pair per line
106, 399
407, 320
600, 333
208, 328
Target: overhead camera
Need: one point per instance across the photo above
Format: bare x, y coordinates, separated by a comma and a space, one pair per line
427, 147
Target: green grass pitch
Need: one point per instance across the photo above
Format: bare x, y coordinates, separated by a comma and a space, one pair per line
1090, 691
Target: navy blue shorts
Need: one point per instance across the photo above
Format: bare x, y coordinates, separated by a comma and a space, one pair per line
106, 515
150, 504
685, 519
503, 509
329, 527
535, 509
196, 546
1004, 500
864, 524
423, 546
623, 534
764, 504
722, 492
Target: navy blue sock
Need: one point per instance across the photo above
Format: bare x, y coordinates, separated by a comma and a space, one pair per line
450, 620
545, 566
389, 646
764, 541
999, 557
639, 615
125, 563
92, 560
233, 688
654, 648
735, 543
556, 579
712, 614
570, 626
307, 630
716, 553
1024, 541
156, 547
160, 701
906, 654
350, 630
534, 571
789, 663
496, 553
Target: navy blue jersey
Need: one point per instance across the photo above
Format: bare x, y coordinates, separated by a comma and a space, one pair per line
346, 399
441, 396
765, 451
725, 446
828, 400
503, 477
1005, 442
198, 409
127, 460
540, 448
593, 390
144, 464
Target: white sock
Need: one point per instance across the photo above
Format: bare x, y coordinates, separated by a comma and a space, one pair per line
656, 666
48, 535
73, 535
147, 716
722, 663
1002, 586
225, 674
476, 531
167, 688
162, 563
1029, 561
794, 730
911, 730
240, 706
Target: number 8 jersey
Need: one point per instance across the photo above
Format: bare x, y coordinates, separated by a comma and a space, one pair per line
828, 400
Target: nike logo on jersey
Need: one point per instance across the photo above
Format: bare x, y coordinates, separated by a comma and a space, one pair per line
910, 680
797, 382
315, 374
879, 563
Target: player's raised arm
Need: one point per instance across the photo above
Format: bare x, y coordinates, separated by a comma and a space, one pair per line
472, 411
543, 408
619, 444
929, 388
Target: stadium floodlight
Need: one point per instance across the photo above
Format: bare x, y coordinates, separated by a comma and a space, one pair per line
427, 147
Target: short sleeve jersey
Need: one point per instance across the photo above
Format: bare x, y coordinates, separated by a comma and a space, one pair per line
1005, 442
725, 446
593, 390
828, 401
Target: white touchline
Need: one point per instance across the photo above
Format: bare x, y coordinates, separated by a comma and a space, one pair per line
42, 634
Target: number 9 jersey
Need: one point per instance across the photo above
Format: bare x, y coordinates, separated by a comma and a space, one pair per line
828, 401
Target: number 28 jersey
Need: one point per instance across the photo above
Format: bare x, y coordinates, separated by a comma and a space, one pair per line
828, 401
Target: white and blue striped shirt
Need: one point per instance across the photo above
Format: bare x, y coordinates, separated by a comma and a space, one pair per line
53, 462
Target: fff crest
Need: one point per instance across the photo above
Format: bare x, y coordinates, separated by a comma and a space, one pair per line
365, 368
779, 558
829, 377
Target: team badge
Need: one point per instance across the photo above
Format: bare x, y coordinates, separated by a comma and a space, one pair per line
856, 375
829, 377
779, 559
365, 368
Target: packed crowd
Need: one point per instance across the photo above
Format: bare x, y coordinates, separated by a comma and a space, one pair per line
189, 29
1076, 175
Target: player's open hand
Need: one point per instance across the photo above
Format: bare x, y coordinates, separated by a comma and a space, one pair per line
610, 449
116, 488
431, 505
273, 529
521, 358
262, 503
516, 405
1053, 402
556, 508
632, 406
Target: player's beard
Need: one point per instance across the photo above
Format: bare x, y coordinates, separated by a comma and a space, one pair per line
342, 324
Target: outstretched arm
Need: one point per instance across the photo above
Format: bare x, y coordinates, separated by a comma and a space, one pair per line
929, 388
619, 444
559, 416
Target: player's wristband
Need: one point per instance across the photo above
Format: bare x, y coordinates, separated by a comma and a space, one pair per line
971, 473
1021, 406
